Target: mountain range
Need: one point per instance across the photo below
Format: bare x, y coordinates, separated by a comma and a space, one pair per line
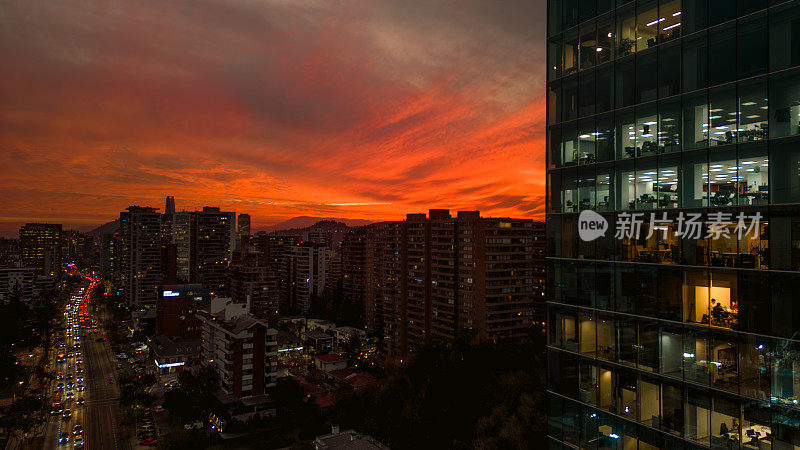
295, 223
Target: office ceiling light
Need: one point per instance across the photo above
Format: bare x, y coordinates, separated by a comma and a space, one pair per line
748, 103
650, 123
672, 26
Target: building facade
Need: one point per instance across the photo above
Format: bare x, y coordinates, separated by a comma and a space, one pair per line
308, 266
243, 225
40, 246
248, 280
140, 255
243, 351
673, 179
213, 248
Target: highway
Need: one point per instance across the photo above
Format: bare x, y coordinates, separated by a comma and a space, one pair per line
89, 357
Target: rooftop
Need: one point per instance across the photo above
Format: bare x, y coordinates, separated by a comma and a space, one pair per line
331, 358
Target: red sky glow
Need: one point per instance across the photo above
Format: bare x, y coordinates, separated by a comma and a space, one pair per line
276, 108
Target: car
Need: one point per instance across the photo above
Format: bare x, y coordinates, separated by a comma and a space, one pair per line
66, 414
70, 385
63, 438
110, 381
78, 442
80, 387
60, 376
60, 387
69, 376
148, 441
79, 379
80, 401
77, 429
158, 408
144, 434
77, 345
69, 395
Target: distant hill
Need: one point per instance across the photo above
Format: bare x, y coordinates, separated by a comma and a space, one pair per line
327, 223
108, 228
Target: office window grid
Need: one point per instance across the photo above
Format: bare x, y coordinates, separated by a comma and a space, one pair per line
672, 107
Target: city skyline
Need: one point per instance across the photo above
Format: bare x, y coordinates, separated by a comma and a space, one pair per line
369, 112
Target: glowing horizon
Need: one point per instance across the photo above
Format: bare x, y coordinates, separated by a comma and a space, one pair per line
276, 109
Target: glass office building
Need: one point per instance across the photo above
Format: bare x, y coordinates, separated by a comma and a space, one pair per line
664, 109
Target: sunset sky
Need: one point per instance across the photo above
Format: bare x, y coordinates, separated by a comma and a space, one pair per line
364, 109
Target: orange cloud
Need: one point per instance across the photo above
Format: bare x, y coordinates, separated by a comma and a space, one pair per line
273, 109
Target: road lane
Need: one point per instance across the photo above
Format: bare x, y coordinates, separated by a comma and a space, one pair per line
100, 416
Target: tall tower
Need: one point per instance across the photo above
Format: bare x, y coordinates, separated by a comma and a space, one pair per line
140, 254
673, 172
243, 225
170, 206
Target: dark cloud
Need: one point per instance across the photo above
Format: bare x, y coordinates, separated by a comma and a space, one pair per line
351, 108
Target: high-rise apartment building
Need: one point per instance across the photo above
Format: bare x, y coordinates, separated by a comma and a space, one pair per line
275, 250
213, 248
248, 280
354, 267
432, 278
673, 172
109, 255
140, 254
184, 234
308, 267
169, 207
40, 246
243, 225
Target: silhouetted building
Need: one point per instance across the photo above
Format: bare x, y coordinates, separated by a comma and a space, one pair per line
213, 248
140, 255
176, 310
434, 277
184, 235
169, 208
308, 266
275, 250
40, 246
243, 225
109, 255
248, 280
354, 267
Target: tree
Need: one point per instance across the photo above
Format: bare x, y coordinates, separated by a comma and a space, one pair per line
288, 394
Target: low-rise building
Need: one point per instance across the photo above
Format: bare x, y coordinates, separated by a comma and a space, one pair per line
347, 440
318, 340
13, 280
242, 350
328, 363
173, 354
344, 334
